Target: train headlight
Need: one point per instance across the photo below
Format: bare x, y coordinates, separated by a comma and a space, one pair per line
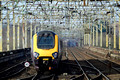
35, 54
55, 54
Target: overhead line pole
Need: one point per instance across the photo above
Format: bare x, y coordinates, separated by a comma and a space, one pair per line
93, 35
26, 33
31, 34
26, 45
101, 35
114, 31
14, 47
23, 32
1, 28
96, 35
119, 32
8, 30
18, 34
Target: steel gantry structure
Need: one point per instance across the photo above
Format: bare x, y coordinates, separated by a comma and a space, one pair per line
86, 20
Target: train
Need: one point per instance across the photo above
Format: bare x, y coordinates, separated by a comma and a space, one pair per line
46, 50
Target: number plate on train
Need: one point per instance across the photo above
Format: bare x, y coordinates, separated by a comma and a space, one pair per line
45, 59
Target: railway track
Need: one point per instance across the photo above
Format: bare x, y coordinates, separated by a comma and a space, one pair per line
66, 71
72, 70
39, 76
109, 68
91, 72
12, 70
106, 61
76, 67
8, 64
12, 67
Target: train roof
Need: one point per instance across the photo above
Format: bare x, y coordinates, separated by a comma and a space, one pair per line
46, 32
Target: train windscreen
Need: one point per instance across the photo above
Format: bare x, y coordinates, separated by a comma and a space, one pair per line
45, 41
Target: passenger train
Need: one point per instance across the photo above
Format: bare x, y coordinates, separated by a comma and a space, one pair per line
46, 51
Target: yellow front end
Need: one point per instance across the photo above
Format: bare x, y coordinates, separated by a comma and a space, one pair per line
45, 52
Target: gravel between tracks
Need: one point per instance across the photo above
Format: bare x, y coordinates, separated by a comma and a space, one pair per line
67, 58
24, 74
112, 74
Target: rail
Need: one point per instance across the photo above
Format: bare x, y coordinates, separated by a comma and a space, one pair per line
90, 64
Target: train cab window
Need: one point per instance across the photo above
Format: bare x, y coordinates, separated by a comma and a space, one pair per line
45, 41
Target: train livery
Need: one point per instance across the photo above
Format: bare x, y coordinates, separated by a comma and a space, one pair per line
46, 50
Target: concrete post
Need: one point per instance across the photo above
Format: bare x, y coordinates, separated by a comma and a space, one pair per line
1, 36
119, 33
1, 29
8, 31
114, 33
84, 39
18, 34
93, 36
96, 35
23, 30
26, 34
13, 29
106, 40
101, 36
88, 39
31, 34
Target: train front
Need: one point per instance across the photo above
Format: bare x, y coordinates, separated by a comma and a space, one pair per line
45, 50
